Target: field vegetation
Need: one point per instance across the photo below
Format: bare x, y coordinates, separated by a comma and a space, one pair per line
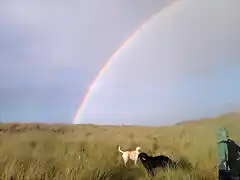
89, 152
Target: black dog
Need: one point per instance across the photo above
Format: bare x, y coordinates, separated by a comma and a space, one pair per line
150, 162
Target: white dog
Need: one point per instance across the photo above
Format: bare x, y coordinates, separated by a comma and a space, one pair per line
133, 155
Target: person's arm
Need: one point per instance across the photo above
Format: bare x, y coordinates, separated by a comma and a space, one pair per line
222, 155
226, 157
226, 152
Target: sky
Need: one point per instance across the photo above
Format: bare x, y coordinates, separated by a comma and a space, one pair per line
51, 50
183, 65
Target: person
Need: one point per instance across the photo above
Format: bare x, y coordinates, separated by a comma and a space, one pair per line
228, 154
222, 149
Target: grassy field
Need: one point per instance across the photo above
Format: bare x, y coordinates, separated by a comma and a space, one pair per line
89, 152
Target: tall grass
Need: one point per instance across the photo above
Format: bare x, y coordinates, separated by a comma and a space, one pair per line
89, 152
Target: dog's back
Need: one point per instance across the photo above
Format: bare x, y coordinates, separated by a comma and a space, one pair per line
160, 161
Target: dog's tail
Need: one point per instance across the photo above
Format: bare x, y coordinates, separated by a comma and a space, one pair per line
120, 149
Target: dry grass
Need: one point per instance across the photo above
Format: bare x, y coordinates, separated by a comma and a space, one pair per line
89, 152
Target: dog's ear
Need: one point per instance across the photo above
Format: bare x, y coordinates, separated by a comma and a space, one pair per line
143, 158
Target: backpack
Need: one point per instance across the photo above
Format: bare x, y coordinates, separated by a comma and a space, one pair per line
233, 154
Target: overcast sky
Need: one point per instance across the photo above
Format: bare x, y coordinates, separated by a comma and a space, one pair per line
50, 51
184, 64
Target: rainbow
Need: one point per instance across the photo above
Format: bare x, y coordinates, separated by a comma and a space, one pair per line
110, 62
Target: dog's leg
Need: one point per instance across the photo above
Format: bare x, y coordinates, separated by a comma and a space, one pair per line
125, 159
150, 170
135, 161
125, 162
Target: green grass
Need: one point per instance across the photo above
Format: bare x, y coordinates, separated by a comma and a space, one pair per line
89, 152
